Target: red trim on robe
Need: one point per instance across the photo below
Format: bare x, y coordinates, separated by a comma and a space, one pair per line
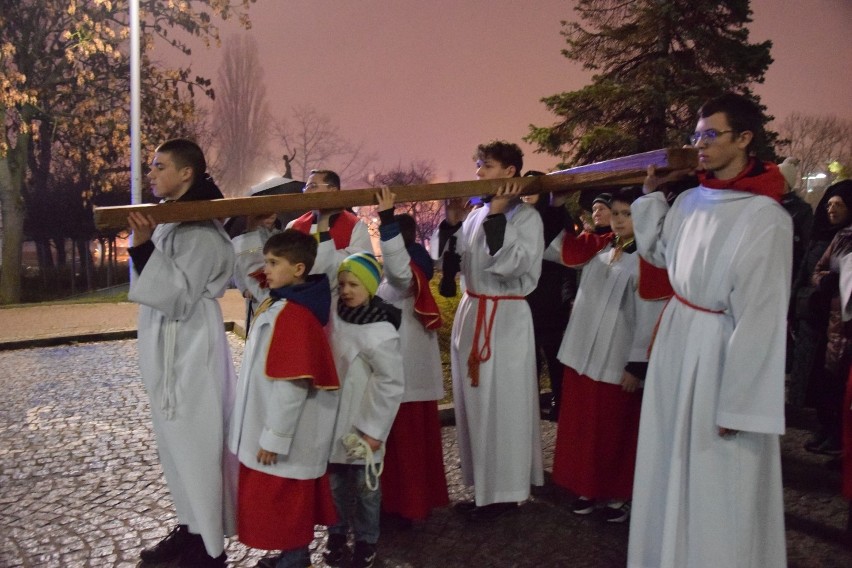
341, 230
577, 250
425, 307
653, 282
299, 349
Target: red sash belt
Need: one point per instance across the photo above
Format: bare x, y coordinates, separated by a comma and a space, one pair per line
479, 354
685, 302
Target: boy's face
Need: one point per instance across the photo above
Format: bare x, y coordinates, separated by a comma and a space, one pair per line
489, 168
168, 181
725, 155
351, 291
621, 220
281, 272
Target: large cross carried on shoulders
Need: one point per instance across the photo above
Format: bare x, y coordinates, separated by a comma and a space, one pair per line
618, 172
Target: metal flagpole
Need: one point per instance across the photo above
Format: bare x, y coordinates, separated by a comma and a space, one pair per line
135, 106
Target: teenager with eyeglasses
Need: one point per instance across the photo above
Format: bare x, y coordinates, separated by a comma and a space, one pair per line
708, 467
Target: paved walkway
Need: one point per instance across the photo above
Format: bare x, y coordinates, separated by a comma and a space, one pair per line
80, 483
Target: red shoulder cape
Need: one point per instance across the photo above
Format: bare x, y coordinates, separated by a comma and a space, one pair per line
299, 349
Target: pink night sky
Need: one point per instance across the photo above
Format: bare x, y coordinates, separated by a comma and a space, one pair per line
429, 80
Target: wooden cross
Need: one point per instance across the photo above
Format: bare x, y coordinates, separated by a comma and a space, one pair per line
618, 172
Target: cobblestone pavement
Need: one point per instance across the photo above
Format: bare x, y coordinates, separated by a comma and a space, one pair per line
80, 484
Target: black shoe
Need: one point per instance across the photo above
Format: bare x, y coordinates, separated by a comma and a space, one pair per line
196, 557
203, 561
170, 548
335, 549
829, 447
490, 512
270, 561
364, 555
617, 514
464, 507
583, 506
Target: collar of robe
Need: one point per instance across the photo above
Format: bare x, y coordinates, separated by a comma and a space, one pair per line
760, 178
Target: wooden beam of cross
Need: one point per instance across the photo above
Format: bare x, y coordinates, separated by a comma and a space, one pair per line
618, 172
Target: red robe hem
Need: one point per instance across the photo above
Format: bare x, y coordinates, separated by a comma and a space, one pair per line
596, 438
414, 482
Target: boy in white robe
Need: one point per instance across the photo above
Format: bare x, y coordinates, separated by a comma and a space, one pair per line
283, 419
181, 270
495, 388
708, 487
367, 355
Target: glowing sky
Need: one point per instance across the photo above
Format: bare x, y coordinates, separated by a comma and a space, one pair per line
430, 79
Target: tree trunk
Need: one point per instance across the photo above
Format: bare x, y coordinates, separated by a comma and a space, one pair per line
86, 263
61, 252
12, 167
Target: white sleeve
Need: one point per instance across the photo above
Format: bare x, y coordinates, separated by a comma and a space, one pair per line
384, 390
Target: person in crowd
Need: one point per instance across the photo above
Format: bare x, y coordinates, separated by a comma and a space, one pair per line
708, 459
413, 483
550, 302
605, 356
601, 213
340, 234
495, 390
181, 269
830, 380
809, 317
801, 212
282, 424
369, 363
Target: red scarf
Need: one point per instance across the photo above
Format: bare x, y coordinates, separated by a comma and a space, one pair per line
425, 307
760, 178
340, 230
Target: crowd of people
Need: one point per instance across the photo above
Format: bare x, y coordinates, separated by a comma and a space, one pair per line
663, 321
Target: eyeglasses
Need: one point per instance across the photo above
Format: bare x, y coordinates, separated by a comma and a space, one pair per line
314, 186
708, 135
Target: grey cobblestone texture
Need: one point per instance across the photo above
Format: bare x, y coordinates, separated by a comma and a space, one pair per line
80, 484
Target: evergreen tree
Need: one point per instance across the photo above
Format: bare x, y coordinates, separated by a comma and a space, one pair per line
655, 63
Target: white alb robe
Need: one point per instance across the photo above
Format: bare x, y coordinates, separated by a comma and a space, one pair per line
188, 371
610, 324
424, 376
369, 366
288, 417
702, 500
497, 422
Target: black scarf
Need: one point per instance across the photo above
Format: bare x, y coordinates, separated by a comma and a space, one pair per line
376, 310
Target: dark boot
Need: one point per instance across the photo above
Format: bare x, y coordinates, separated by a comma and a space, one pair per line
170, 548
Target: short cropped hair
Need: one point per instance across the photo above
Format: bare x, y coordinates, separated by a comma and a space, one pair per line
506, 153
624, 195
742, 113
293, 245
185, 153
407, 227
330, 177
